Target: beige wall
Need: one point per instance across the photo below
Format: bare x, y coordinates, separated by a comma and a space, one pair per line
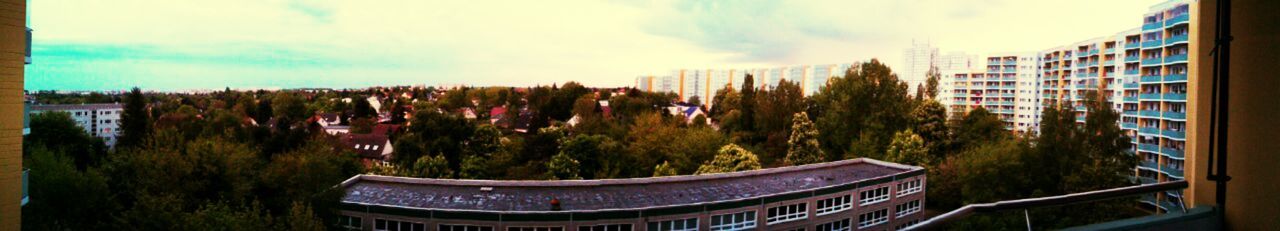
1254, 129
12, 53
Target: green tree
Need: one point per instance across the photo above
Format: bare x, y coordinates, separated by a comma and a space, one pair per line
859, 112
978, 126
773, 118
59, 133
931, 83
931, 124
731, 158
64, 198
563, 167
803, 147
135, 122
591, 152
432, 167
907, 148
474, 167
664, 169
302, 218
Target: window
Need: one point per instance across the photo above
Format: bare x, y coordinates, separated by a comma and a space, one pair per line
909, 187
874, 196
840, 225
787, 213
904, 225
873, 218
690, 224
448, 227
544, 228
613, 227
350, 223
734, 221
908, 208
394, 225
834, 204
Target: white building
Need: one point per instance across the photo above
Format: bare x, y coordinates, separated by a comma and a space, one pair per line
99, 120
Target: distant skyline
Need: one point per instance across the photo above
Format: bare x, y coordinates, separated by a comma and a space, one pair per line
183, 45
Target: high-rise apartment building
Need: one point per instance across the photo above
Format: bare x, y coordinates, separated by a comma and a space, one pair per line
916, 62
704, 83
1003, 85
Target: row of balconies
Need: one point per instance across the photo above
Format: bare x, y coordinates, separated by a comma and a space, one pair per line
1176, 19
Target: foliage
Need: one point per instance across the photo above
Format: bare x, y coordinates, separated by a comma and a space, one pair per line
731, 158
432, 167
57, 132
803, 147
135, 123
931, 125
664, 169
859, 112
563, 167
907, 148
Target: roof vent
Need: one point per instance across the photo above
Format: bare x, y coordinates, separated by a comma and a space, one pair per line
555, 204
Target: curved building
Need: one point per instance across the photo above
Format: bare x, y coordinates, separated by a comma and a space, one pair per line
857, 194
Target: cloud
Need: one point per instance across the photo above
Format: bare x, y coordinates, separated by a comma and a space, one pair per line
167, 45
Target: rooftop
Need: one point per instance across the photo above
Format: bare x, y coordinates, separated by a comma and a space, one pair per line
68, 107
612, 194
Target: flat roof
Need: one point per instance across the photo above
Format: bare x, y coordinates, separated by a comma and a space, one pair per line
610, 194
68, 107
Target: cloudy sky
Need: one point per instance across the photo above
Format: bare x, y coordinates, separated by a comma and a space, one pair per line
182, 45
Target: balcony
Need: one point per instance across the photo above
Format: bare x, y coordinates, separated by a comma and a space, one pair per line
25, 197
1171, 171
1151, 79
1093, 74
1010, 62
1174, 134
1130, 113
1010, 70
1149, 164
1109, 51
1174, 20
1130, 59
1175, 96
1109, 63
1149, 148
1081, 108
1130, 85
1152, 96
1131, 99
1152, 43
1131, 126
1175, 115
1131, 72
1152, 26
1176, 58
1131, 45
1152, 61
1176, 39
1175, 153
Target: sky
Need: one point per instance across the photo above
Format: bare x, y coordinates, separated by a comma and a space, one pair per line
177, 45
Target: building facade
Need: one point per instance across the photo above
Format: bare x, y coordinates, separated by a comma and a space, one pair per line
704, 83
99, 120
857, 194
1004, 85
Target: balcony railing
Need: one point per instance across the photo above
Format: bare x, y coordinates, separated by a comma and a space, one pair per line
1130, 113
1174, 134
1175, 115
1130, 85
1129, 45
1174, 20
1010, 62
1154, 96
1175, 96
1149, 164
1152, 61
1151, 79
1171, 171
1152, 26
940, 221
1176, 58
1175, 77
1129, 125
1175, 153
1149, 148
1109, 63
1131, 72
1152, 43
1176, 39
1131, 99
1150, 130
25, 197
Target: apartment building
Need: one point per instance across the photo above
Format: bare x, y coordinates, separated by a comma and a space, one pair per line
99, 120
1162, 97
704, 83
809, 197
1005, 85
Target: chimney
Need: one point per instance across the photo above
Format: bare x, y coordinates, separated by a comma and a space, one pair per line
555, 204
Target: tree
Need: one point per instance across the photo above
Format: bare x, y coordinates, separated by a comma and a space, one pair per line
978, 126
65, 198
747, 105
865, 108
432, 167
802, 146
474, 167
302, 218
731, 158
694, 100
57, 132
362, 109
135, 122
907, 148
931, 125
773, 118
590, 151
563, 167
664, 169
931, 83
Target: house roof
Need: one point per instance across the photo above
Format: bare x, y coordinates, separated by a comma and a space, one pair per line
614, 194
367, 145
331, 118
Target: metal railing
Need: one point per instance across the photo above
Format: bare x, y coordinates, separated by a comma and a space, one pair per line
1022, 204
